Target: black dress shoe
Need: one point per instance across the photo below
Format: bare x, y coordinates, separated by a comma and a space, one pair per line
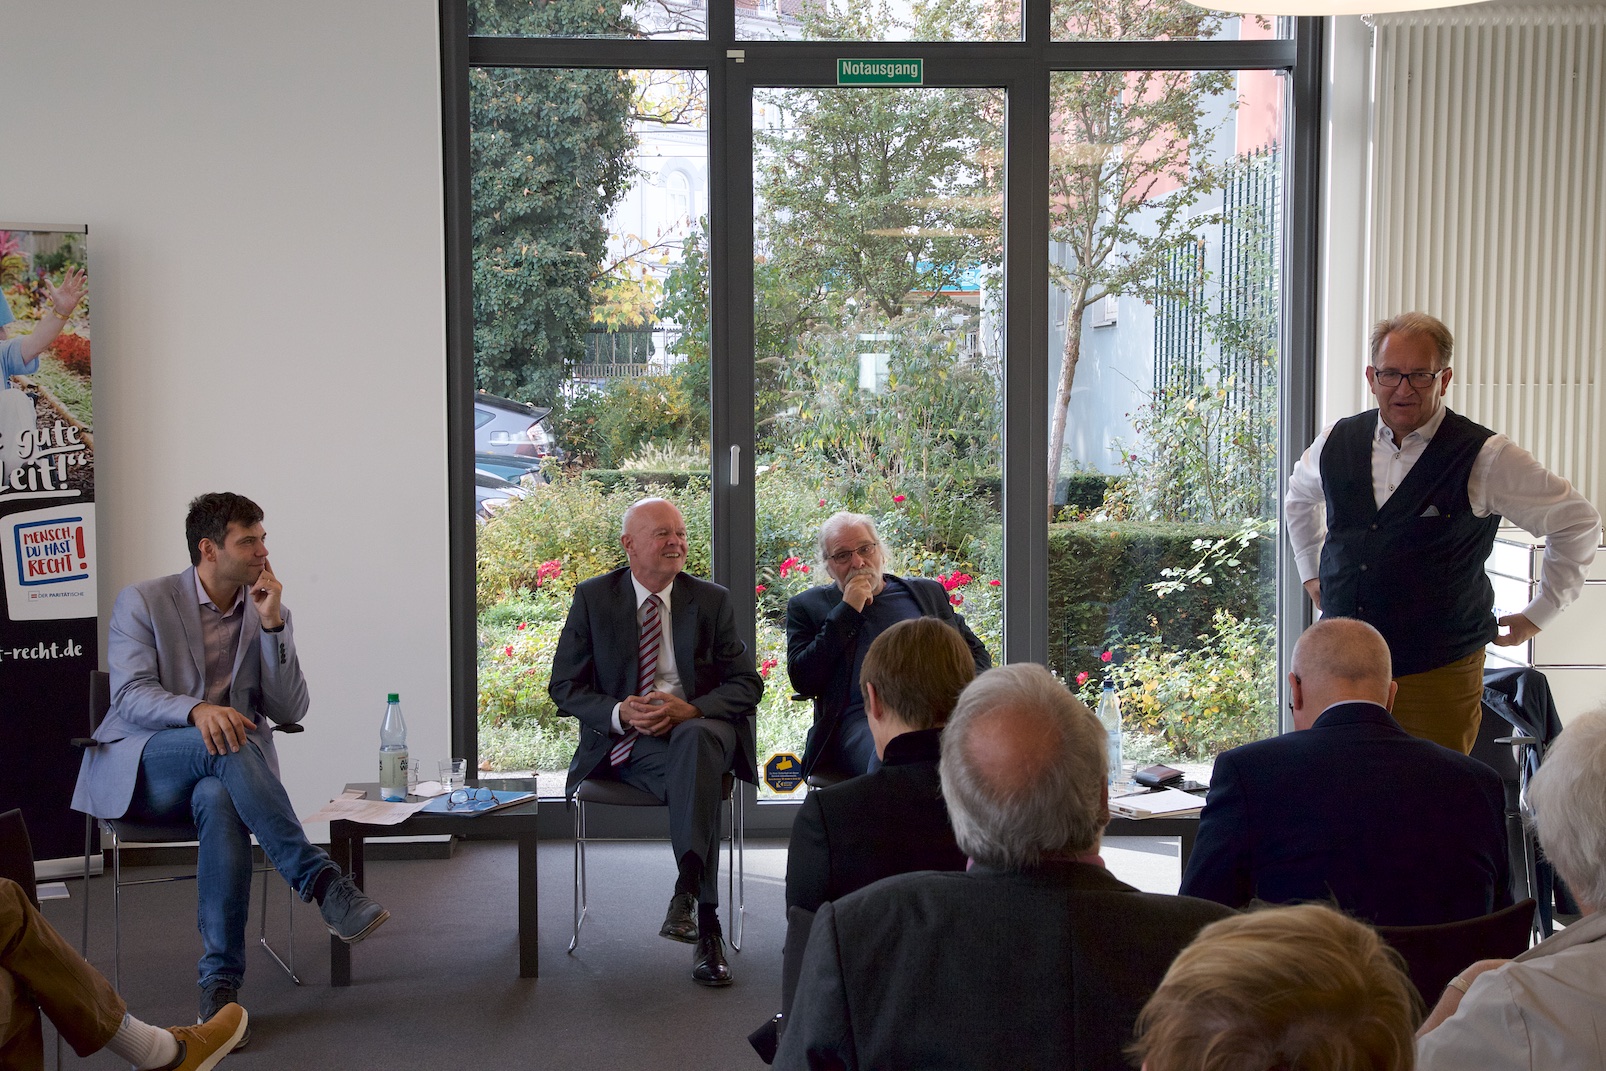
680, 922
708, 966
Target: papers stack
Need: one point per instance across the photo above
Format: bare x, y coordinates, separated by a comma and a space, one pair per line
1165, 803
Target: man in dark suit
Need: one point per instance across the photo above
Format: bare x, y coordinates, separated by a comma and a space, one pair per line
664, 689
1035, 956
203, 664
1351, 809
891, 821
829, 629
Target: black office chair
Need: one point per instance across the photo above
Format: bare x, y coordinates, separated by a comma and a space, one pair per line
612, 793
121, 831
822, 774
1436, 954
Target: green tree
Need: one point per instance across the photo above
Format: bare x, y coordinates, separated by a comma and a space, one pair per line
1127, 166
550, 154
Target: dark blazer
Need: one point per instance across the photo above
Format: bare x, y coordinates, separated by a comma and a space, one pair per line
821, 634
1046, 968
891, 821
595, 666
1397, 831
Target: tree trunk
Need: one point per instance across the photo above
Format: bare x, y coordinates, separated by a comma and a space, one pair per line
1072, 354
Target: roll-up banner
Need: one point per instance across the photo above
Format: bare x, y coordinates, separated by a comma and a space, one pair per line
48, 634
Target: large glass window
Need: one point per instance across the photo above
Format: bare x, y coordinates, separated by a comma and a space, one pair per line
1165, 210
613, 212
591, 305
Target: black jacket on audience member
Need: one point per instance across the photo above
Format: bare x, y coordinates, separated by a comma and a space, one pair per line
888, 822
1396, 831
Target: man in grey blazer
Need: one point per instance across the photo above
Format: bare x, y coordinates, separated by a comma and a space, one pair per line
203, 664
1035, 956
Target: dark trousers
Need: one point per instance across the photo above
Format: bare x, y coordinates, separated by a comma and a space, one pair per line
684, 770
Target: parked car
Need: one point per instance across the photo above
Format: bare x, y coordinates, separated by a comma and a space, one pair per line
510, 467
503, 426
491, 493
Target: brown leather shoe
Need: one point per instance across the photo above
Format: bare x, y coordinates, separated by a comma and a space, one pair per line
708, 966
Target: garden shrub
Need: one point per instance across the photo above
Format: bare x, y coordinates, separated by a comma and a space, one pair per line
1101, 587
73, 352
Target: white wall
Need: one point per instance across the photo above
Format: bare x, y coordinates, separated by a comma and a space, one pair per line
262, 186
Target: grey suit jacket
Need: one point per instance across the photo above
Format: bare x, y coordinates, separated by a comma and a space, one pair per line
158, 674
1046, 968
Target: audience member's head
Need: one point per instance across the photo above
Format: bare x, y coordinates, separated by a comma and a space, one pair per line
1339, 660
1023, 770
912, 676
210, 516
1301, 988
1569, 800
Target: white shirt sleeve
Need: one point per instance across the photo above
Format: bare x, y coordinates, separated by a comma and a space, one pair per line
1486, 1032
1305, 509
1506, 479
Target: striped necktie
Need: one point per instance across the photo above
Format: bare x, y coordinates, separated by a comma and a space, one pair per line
647, 668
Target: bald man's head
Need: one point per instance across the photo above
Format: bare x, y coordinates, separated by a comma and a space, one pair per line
1023, 769
1339, 659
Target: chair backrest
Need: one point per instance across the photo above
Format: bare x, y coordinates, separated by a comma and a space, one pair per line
100, 697
16, 854
1436, 954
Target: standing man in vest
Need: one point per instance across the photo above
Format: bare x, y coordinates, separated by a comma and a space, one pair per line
1413, 494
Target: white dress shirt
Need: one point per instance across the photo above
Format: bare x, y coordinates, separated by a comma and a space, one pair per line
1545, 1011
667, 675
1505, 479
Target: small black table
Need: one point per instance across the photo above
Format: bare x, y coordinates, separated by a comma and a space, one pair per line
1185, 828
510, 823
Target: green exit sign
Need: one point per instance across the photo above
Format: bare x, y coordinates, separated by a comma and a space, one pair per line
880, 72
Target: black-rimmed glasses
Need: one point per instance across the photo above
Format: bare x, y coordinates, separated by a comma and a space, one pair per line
1388, 377
842, 557
464, 797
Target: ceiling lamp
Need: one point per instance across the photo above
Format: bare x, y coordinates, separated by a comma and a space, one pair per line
1326, 7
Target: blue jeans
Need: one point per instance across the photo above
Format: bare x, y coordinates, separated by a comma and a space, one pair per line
230, 797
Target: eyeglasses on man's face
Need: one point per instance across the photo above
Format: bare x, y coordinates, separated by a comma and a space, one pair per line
843, 557
1388, 377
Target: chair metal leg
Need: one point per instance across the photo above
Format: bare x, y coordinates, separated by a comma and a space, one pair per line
117, 911
579, 871
290, 918
736, 870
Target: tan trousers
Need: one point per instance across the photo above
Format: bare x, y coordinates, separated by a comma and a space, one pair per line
40, 971
1444, 705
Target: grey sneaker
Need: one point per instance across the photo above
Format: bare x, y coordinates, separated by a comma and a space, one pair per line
350, 913
216, 997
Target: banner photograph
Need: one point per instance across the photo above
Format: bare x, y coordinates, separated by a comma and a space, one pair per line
48, 635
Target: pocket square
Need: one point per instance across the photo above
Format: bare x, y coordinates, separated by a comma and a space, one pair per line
1431, 511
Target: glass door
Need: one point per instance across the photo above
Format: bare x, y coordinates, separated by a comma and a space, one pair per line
877, 346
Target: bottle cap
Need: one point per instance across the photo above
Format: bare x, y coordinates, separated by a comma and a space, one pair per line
393, 697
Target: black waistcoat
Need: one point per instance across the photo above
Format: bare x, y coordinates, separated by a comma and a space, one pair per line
1413, 569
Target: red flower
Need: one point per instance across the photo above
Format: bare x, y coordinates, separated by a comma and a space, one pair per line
550, 569
521, 625
1105, 657
897, 498
759, 590
995, 583
822, 501
802, 568
788, 565
956, 580
956, 598
508, 650
1081, 678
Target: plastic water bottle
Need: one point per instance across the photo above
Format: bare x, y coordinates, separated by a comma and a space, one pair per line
1109, 713
393, 752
